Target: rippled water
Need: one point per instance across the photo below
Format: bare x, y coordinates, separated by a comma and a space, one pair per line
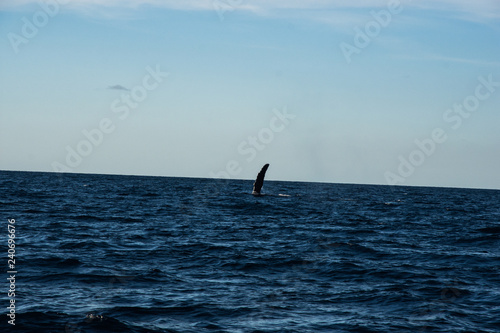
98, 253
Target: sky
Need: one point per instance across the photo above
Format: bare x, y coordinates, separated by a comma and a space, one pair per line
368, 92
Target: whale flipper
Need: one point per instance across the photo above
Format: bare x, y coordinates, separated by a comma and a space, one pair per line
257, 185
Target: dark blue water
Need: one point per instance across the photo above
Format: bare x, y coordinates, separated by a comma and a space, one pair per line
99, 253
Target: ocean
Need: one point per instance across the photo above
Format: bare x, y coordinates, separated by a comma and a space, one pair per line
109, 253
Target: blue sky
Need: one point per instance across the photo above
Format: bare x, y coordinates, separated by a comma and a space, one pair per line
366, 92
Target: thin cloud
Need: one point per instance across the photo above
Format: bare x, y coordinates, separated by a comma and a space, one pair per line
466, 9
448, 59
476, 62
118, 87
478, 10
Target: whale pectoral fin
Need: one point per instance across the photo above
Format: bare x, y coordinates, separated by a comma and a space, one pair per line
257, 185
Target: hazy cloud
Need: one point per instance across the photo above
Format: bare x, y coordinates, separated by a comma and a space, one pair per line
118, 87
483, 9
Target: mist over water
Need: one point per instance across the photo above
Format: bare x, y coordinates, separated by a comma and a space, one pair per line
101, 253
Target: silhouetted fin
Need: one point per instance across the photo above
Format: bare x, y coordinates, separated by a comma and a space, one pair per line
257, 186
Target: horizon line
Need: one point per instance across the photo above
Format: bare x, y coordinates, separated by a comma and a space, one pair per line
267, 180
